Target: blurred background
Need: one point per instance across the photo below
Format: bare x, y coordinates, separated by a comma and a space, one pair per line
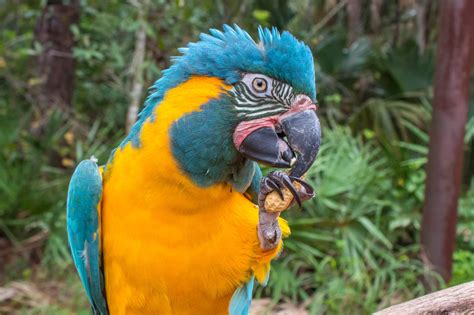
73, 73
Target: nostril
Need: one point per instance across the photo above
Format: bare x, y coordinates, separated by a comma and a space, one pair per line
302, 102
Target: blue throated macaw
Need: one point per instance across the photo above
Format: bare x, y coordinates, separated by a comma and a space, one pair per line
174, 223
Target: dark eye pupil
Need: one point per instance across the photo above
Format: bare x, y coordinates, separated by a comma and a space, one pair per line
260, 85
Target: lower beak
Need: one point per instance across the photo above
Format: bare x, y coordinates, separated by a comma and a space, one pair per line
303, 137
264, 146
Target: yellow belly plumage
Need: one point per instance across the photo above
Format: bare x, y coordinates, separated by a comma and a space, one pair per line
170, 246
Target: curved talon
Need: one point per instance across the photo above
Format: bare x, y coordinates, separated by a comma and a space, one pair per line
264, 188
276, 188
292, 189
305, 185
278, 180
276, 177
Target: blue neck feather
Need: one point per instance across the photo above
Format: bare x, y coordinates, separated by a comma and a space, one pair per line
202, 144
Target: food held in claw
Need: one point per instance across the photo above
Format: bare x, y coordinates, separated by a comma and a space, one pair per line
275, 203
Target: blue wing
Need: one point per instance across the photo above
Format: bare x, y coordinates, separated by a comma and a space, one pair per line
83, 228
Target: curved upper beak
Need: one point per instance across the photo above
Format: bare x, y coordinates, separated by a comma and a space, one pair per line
288, 140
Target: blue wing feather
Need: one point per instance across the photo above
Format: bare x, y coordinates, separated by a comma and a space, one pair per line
240, 302
83, 227
254, 187
242, 177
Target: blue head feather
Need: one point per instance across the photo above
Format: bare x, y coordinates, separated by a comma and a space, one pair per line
226, 54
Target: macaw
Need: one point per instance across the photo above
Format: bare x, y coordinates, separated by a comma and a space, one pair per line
174, 222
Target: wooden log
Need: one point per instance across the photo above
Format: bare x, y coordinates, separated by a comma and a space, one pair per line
455, 300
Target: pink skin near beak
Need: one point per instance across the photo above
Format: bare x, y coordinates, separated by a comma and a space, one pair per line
244, 128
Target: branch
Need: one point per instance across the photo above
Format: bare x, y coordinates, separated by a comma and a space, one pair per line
329, 16
136, 67
420, 8
375, 20
454, 300
354, 12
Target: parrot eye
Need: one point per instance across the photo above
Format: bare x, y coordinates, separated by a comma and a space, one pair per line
259, 85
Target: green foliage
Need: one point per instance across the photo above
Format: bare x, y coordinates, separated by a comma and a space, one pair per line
470, 130
372, 87
387, 117
34, 173
465, 226
463, 261
403, 69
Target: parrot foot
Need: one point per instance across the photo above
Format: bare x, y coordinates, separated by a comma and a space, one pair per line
269, 232
277, 180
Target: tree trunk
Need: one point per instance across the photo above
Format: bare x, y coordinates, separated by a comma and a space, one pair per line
454, 300
56, 62
375, 20
455, 54
353, 20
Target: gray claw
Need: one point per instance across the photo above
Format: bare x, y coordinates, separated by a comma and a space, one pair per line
275, 187
309, 190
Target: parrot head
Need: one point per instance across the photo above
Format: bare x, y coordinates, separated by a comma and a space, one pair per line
267, 113
279, 127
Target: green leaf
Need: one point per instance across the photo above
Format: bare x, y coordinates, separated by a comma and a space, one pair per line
374, 231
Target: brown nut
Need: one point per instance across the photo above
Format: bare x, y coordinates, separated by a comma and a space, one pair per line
274, 203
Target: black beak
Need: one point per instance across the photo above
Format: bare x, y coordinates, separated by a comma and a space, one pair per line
303, 132
303, 137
